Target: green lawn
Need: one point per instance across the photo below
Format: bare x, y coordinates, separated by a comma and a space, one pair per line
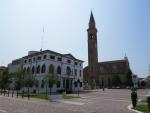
43, 96
142, 106
40, 95
70, 97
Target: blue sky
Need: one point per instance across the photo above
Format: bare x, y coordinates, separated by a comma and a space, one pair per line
123, 27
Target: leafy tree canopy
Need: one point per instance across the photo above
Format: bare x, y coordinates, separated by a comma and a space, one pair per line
129, 81
5, 79
116, 81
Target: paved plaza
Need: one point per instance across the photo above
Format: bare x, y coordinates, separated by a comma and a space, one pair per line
109, 101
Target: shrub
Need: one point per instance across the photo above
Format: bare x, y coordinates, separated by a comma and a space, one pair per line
134, 98
148, 102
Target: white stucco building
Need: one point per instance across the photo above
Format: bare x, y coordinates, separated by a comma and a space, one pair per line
41, 63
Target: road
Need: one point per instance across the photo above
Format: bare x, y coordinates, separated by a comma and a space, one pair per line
109, 101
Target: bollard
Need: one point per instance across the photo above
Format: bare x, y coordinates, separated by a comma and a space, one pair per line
148, 102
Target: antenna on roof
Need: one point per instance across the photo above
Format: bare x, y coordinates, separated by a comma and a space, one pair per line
42, 38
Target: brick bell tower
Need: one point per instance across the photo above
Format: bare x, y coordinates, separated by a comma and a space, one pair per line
92, 52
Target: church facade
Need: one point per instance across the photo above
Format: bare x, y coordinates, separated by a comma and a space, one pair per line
102, 74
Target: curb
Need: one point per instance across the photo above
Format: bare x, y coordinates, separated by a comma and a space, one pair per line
130, 108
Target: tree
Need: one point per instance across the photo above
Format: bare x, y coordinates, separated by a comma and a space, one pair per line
129, 81
45, 81
37, 85
19, 79
29, 82
5, 80
116, 81
143, 83
51, 80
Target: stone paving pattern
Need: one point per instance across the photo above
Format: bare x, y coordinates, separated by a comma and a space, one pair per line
110, 101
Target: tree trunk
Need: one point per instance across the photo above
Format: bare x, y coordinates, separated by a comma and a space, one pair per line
50, 91
23, 93
4, 92
38, 89
8, 92
1, 91
28, 94
46, 90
